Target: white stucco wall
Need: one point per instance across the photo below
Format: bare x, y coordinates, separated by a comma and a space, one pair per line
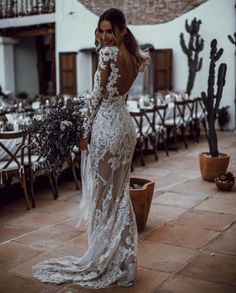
218, 20
7, 74
26, 75
84, 72
75, 27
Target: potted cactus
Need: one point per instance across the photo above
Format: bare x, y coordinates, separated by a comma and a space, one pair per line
213, 163
225, 181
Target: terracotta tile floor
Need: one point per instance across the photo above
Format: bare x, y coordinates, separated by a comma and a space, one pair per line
188, 245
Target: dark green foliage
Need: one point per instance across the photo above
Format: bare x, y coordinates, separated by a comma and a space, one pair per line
54, 135
212, 100
195, 46
223, 117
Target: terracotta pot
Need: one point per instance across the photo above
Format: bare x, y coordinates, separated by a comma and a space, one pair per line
141, 199
212, 167
225, 186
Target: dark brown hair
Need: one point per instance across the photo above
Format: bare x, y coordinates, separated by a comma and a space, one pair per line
117, 20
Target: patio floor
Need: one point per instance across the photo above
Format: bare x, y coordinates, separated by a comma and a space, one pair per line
188, 245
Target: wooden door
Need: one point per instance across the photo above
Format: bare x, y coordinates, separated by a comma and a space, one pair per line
162, 69
68, 80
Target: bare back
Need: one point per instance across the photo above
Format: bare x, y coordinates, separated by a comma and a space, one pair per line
116, 71
128, 70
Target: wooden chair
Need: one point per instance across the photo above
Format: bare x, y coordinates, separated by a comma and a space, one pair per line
34, 170
177, 123
160, 126
199, 117
149, 130
189, 116
12, 161
138, 119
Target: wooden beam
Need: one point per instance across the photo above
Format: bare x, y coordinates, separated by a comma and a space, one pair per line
27, 32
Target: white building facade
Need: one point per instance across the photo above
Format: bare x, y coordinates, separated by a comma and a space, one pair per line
74, 32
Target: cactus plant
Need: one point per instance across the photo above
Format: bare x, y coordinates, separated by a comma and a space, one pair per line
195, 46
232, 39
212, 100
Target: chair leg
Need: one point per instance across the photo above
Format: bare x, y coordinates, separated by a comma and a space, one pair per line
154, 146
205, 128
77, 183
168, 131
30, 186
53, 183
141, 157
184, 137
164, 142
25, 189
190, 125
140, 149
196, 130
175, 138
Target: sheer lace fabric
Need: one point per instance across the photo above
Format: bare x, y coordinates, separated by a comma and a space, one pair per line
112, 233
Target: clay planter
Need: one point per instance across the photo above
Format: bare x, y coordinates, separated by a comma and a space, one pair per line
212, 167
225, 186
141, 199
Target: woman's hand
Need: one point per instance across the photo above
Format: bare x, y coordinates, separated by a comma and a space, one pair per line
83, 144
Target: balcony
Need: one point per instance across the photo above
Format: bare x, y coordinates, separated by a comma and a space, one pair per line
18, 8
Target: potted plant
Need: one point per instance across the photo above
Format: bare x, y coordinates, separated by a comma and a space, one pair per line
225, 181
213, 163
141, 193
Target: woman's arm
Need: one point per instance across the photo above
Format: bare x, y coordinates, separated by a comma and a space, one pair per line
107, 55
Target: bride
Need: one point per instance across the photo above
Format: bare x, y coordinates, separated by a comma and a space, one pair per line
112, 233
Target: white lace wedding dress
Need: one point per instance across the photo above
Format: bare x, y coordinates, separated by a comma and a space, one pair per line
112, 233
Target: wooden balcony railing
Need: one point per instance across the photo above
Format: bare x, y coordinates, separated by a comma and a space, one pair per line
16, 8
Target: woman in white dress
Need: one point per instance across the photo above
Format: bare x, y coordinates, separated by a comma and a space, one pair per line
112, 233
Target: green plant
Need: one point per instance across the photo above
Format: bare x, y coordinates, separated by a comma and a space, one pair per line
227, 177
56, 133
212, 100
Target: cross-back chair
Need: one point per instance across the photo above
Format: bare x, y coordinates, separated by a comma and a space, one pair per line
140, 136
177, 123
160, 125
149, 130
200, 117
189, 116
34, 170
13, 154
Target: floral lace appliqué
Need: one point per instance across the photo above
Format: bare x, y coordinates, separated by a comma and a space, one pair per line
112, 233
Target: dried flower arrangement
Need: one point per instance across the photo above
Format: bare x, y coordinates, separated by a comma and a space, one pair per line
54, 135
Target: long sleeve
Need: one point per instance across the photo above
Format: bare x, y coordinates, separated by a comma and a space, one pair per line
107, 56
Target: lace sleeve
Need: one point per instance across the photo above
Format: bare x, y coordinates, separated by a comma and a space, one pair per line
107, 56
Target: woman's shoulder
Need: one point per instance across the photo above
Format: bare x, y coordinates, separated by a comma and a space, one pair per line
109, 53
